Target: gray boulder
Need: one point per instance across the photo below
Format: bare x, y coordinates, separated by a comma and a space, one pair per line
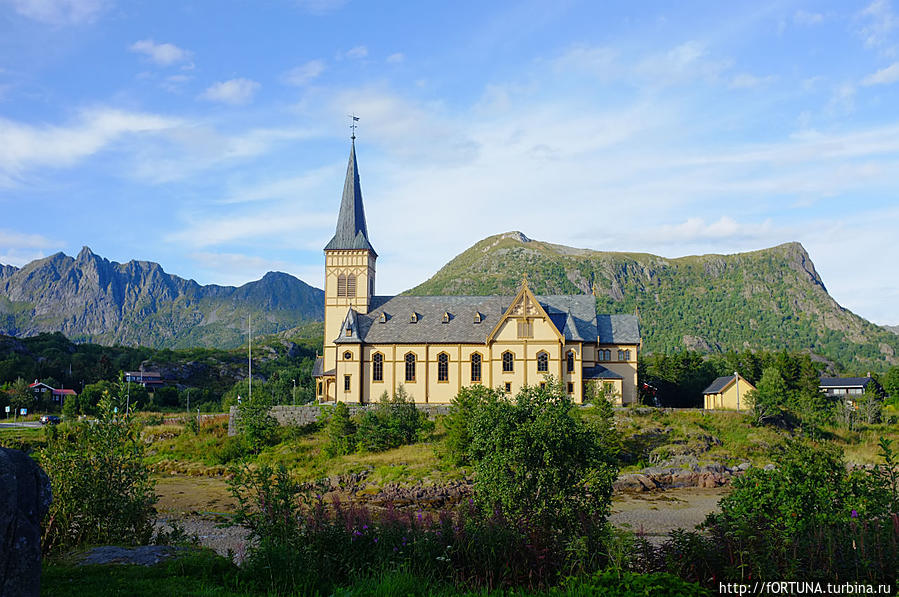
25, 496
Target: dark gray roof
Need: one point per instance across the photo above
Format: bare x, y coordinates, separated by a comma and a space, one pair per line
349, 329
718, 385
573, 315
845, 382
351, 233
318, 366
600, 372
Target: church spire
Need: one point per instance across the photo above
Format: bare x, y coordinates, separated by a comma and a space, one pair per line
351, 232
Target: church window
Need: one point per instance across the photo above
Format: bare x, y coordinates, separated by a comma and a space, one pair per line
508, 386
446, 317
319, 388
341, 285
410, 367
508, 362
542, 362
475, 367
627, 355
351, 285
570, 388
377, 367
442, 367
620, 355
608, 354
346, 383
569, 361
347, 355
600, 355
413, 318
525, 329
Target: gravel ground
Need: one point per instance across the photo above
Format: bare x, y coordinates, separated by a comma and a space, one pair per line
656, 514
231, 540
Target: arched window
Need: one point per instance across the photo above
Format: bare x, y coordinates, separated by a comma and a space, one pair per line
410, 367
620, 355
569, 361
442, 367
627, 355
508, 362
475, 367
341, 285
608, 354
351, 285
542, 362
377, 367
600, 355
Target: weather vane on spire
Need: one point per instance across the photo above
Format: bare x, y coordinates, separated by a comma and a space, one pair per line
353, 120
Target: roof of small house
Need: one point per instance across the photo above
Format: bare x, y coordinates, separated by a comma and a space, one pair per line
845, 382
719, 384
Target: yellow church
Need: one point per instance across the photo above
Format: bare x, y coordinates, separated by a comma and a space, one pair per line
435, 345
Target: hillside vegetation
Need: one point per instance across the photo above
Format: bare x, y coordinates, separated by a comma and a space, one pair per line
770, 299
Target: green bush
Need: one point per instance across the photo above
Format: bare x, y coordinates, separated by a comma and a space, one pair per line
102, 490
394, 422
255, 423
341, 432
457, 422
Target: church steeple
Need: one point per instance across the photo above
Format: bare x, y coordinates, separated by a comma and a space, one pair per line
351, 233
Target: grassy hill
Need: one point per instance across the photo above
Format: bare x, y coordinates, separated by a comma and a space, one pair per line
768, 299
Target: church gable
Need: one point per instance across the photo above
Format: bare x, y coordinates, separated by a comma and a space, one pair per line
525, 319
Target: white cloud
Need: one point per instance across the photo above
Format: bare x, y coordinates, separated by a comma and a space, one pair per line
237, 269
879, 23
697, 229
161, 54
356, 52
205, 231
884, 76
300, 75
60, 12
396, 58
747, 81
175, 83
236, 92
18, 248
802, 17
23, 146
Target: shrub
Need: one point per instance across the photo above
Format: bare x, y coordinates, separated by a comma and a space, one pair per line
102, 491
394, 422
340, 431
457, 422
255, 423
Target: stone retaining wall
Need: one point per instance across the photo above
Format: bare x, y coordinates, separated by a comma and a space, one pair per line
304, 415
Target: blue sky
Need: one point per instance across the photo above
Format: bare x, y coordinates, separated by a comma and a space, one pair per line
212, 137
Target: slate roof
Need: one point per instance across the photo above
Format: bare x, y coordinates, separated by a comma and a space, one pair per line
318, 366
600, 372
844, 382
719, 384
573, 315
351, 233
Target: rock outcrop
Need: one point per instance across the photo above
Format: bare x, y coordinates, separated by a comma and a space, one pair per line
25, 496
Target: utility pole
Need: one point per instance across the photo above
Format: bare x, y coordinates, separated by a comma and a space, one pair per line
294, 395
250, 354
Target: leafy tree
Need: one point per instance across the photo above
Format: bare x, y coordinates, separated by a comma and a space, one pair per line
457, 422
340, 432
20, 395
254, 421
891, 384
166, 396
870, 404
102, 490
534, 459
769, 398
70, 408
394, 422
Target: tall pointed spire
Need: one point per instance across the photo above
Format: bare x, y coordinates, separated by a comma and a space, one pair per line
351, 233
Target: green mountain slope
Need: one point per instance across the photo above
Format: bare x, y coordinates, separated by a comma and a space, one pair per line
769, 299
89, 298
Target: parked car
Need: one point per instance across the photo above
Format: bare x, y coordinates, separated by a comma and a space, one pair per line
50, 420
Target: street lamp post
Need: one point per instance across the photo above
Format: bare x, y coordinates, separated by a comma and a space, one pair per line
294, 395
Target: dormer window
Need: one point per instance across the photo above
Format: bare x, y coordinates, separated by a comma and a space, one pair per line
413, 318
446, 317
477, 317
349, 332
382, 318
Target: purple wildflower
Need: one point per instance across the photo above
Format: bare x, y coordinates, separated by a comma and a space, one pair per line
853, 514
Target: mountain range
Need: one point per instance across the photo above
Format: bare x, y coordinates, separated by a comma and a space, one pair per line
89, 298
768, 299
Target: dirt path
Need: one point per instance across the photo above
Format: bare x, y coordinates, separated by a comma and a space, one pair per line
656, 514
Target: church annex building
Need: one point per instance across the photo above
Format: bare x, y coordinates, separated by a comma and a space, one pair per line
435, 345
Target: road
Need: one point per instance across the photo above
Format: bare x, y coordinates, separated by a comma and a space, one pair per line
10, 425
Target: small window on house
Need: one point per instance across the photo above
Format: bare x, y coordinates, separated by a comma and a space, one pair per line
377, 367
569, 361
542, 362
347, 356
442, 367
600, 355
608, 354
349, 332
542, 385
410, 367
319, 388
341, 285
508, 386
570, 388
351, 285
475, 367
446, 317
382, 318
627, 355
508, 362
413, 318
620, 355
525, 329
346, 383
477, 317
